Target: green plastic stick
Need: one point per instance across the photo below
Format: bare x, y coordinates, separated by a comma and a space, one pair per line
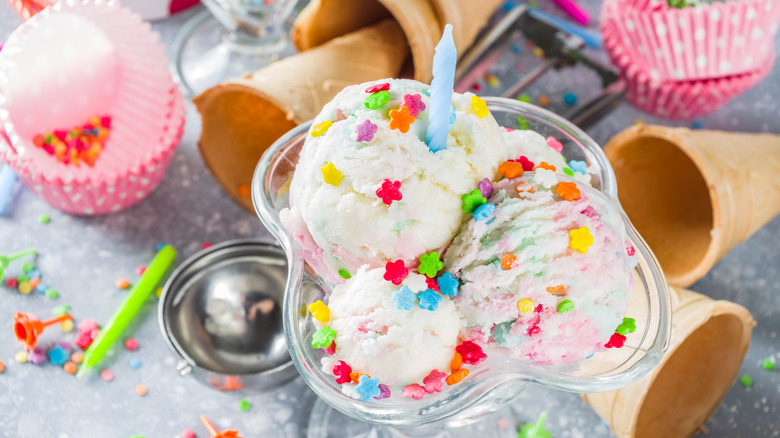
117, 324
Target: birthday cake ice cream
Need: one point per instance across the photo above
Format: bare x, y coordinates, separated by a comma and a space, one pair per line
367, 189
545, 267
531, 149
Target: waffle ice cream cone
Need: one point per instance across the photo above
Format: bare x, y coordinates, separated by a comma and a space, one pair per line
694, 195
244, 116
709, 341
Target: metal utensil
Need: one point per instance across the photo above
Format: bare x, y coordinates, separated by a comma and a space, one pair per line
221, 314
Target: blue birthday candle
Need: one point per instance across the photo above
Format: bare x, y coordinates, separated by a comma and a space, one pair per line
441, 91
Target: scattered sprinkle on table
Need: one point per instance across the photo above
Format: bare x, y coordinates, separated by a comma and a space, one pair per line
244, 191
2, 366
244, 405
158, 291
134, 363
570, 99
52, 294
61, 310
131, 344
746, 381
27, 267
187, 433
107, 375
140, 270
77, 357
769, 364
140, 390
205, 245
43, 218
70, 367
20, 356
122, 283
66, 326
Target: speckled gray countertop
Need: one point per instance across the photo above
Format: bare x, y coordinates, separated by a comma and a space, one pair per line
82, 258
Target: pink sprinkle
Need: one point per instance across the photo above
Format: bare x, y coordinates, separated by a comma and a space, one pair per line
414, 391
365, 131
390, 191
485, 188
534, 330
630, 250
434, 381
83, 340
87, 325
331, 349
105, 122
339, 115
12, 282
378, 87
187, 433
205, 245
616, 341
555, 144
476, 87
140, 270
431, 283
590, 212
503, 424
107, 375
414, 103
131, 344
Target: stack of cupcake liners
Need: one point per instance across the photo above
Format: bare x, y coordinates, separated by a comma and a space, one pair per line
75, 60
686, 63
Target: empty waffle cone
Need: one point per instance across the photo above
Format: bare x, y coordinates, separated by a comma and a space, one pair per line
694, 195
709, 341
421, 20
242, 117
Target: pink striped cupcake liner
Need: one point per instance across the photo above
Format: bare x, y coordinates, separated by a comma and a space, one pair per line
694, 43
677, 99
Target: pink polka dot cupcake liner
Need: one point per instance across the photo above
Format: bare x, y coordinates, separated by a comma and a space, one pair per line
76, 60
708, 41
677, 99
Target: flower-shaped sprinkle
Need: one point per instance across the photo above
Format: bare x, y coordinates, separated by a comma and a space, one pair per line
580, 239
395, 272
508, 261
378, 87
323, 337
368, 387
429, 300
414, 103
404, 298
432, 283
510, 169
630, 250
484, 212
390, 191
331, 349
479, 106
384, 391
555, 144
578, 166
627, 326
434, 382
485, 188
525, 305
321, 128
457, 376
319, 311
472, 200
448, 285
415, 391
524, 187
544, 165
430, 264
377, 100
565, 306
341, 370
471, 353
331, 175
401, 119
568, 191
365, 131
545, 177
527, 164
616, 341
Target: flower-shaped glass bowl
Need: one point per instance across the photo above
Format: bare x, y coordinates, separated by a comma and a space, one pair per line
496, 381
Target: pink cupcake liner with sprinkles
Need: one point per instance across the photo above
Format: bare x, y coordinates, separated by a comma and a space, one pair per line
677, 99
695, 43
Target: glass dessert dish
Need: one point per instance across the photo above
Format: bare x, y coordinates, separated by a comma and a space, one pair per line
494, 383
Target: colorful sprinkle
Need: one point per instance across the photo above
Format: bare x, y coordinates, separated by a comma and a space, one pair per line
570, 99
378, 87
342, 371
343, 273
107, 375
27, 268
77, 357
479, 106
565, 306
395, 272
24, 288
414, 103
580, 239
243, 191
508, 261
323, 337
20, 356
555, 144
431, 283
746, 381
401, 119
415, 391
244, 405
528, 165
66, 326
44, 218
58, 355
330, 350
769, 364
434, 382
568, 191
510, 169
11, 282
485, 188
134, 363
545, 178
319, 311
131, 344
484, 212
36, 356
377, 100
525, 305
472, 200
70, 367
627, 326
87, 325
384, 391
429, 300
544, 165
525, 98
457, 376
456, 362
188, 433
365, 131
368, 388
122, 283
543, 100
404, 298
615, 341
471, 353
448, 285
430, 264
140, 390
578, 166
52, 294
390, 191
331, 175
83, 143
321, 128
492, 80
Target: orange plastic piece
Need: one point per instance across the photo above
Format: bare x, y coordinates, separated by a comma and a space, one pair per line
457, 376
400, 119
507, 261
457, 362
510, 169
214, 432
568, 191
27, 328
544, 165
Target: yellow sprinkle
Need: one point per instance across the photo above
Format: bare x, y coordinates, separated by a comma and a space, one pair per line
580, 239
639, 122
321, 128
538, 52
66, 326
24, 288
158, 292
493, 80
525, 305
479, 106
331, 175
21, 356
320, 311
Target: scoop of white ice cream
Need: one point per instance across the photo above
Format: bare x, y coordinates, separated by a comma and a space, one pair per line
376, 338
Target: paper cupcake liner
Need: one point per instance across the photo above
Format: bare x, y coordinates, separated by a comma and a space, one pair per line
107, 197
642, 5
695, 43
149, 9
79, 59
678, 99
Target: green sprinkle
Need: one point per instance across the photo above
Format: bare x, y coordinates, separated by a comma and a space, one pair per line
323, 337
524, 98
522, 123
27, 267
52, 293
48, 138
565, 306
568, 172
343, 273
244, 405
472, 200
43, 218
61, 310
627, 326
430, 264
769, 364
377, 100
746, 381
23, 278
